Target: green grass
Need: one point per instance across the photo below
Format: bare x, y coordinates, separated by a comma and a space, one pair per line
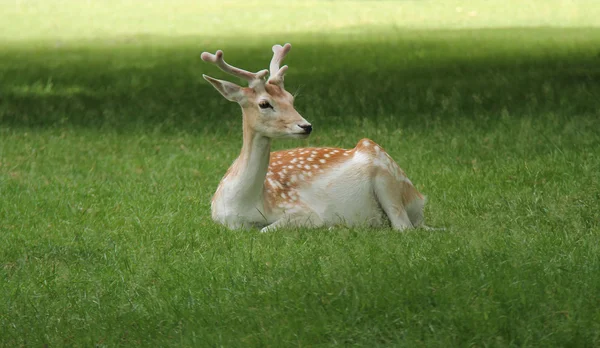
111, 145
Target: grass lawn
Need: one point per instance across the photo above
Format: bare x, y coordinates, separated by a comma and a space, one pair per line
111, 145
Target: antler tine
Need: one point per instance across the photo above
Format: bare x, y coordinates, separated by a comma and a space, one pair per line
279, 53
218, 60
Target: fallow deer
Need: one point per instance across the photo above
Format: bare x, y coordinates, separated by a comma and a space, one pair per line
303, 187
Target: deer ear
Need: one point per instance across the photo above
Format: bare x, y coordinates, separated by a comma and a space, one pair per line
229, 90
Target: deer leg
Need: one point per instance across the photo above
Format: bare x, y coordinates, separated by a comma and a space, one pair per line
390, 192
295, 220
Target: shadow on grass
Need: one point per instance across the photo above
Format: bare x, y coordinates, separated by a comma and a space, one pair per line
408, 78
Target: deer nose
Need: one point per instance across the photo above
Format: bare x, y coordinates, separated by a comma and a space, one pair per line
307, 128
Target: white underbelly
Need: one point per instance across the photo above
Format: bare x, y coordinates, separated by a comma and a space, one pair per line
344, 196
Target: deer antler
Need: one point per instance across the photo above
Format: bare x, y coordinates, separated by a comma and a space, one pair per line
277, 73
217, 59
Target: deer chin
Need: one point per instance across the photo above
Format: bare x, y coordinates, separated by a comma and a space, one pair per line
286, 134
299, 135
302, 135
289, 136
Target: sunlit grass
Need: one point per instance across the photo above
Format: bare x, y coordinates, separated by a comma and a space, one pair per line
111, 145
123, 20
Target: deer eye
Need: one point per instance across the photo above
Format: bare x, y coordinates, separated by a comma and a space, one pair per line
264, 105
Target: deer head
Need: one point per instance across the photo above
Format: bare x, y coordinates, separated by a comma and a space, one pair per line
268, 109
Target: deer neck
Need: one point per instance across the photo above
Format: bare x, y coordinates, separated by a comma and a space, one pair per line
250, 168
